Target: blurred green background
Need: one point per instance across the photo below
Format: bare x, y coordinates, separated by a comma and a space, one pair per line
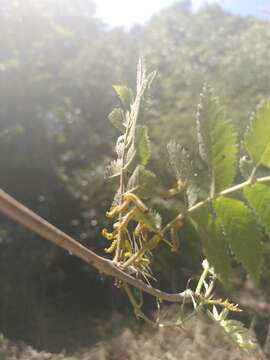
58, 63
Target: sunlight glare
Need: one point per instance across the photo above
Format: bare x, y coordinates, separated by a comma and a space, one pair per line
127, 12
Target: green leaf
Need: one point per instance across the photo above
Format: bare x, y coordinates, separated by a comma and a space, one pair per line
214, 244
124, 93
235, 330
217, 142
258, 196
180, 161
257, 138
117, 118
246, 166
142, 182
114, 169
183, 168
142, 144
242, 233
139, 150
151, 218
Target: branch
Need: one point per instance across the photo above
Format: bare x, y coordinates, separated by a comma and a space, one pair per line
200, 204
228, 191
21, 214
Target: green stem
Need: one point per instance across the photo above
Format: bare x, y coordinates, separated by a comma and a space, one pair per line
202, 279
210, 199
200, 204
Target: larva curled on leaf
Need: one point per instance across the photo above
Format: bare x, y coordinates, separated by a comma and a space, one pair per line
112, 247
136, 201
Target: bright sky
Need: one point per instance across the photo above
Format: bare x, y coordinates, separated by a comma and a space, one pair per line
129, 12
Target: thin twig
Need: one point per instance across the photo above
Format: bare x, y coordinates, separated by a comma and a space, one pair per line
26, 217
200, 204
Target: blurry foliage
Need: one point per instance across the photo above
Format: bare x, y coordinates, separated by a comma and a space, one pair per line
57, 64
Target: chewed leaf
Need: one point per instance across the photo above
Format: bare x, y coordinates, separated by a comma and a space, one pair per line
217, 142
214, 243
258, 196
180, 161
182, 165
257, 138
114, 169
117, 118
142, 182
242, 232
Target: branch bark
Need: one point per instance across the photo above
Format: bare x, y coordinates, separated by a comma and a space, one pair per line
26, 217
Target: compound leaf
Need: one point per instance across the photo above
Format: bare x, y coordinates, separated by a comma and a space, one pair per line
236, 331
182, 166
217, 142
180, 161
214, 243
117, 118
151, 218
113, 169
142, 182
124, 93
142, 144
257, 138
258, 197
242, 232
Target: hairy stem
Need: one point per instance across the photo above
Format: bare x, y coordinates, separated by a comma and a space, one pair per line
133, 117
122, 190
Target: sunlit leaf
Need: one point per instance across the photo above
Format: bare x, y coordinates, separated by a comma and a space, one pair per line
142, 144
113, 169
124, 93
142, 182
214, 243
217, 142
257, 138
182, 165
258, 196
117, 118
242, 233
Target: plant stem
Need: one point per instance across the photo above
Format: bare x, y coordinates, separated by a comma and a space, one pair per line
202, 279
122, 190
26, 217
132, 120
200, 204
